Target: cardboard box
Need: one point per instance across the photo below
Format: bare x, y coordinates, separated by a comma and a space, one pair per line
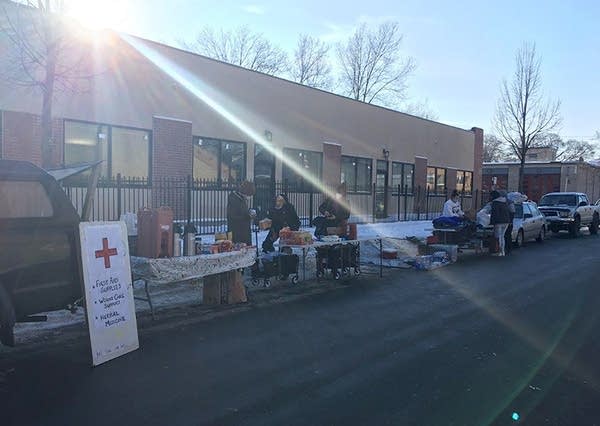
224, 288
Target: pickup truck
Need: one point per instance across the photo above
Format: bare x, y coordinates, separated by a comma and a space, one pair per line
569, 211
38, 262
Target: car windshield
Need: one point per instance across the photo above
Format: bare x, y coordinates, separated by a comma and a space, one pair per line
558, 200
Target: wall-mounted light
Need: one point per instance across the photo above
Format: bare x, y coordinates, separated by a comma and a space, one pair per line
386, 153
268, 135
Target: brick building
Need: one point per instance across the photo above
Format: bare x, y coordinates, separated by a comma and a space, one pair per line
154, 111
542, 177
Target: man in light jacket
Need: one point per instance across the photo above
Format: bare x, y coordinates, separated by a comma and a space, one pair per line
452, 206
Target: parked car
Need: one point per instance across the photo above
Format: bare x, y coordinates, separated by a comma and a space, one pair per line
38, 265
529, 224
569, 211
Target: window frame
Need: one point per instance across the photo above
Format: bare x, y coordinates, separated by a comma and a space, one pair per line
218, 179
435, 180
404, 190
357, 189
109, 139
304, 185
461, 187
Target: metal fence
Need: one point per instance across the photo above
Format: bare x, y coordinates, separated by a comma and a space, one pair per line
204, 202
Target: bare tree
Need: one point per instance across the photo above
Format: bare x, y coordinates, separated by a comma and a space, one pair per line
421, 109
373, 69
522, 113
41, 53
493, 149
239, 47
567, 150
310, 65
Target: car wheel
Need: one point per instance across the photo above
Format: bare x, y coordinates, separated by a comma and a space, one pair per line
7, 318
520, 239
594, 225
575, 227
540, 238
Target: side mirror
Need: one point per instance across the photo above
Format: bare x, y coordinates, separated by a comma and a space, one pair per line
582, 204
527, 216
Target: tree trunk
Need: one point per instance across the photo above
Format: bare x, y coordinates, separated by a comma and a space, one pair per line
521, 173
47, 143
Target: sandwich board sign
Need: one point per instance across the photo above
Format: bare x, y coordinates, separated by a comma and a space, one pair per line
108, 290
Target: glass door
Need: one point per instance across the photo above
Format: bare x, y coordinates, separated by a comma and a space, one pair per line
264, 180
381, 189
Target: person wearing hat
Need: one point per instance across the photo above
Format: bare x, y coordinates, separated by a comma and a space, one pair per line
283, 215
499, 218
239, 216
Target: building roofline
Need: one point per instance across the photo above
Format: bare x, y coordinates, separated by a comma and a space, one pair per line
285, 80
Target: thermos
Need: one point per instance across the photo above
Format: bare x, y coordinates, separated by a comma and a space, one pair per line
189, 239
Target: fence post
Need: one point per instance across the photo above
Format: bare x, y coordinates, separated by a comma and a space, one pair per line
418, 200
398, 203
427, 193
189, 199
119, 207
310, 207
406, 202
374, 192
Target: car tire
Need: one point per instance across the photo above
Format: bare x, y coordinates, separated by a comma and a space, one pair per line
7, 318
594, 226
520, 239
542, 236
575, 227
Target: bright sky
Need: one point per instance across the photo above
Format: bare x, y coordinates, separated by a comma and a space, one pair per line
463, 49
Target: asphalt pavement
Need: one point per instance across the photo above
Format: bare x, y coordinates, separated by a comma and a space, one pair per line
511, 340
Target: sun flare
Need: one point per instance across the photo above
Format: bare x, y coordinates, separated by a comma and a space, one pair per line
96, 15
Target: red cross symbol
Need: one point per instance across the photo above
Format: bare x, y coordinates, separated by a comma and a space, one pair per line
106, 253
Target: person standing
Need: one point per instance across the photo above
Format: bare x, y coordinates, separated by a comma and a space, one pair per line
508, 241
283, 215
239, 216
500, 218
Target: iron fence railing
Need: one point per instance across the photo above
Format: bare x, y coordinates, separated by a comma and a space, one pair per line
204, 202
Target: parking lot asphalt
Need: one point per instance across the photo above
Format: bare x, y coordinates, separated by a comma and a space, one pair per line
509, 340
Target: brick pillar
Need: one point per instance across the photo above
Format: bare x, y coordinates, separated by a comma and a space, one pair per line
332, 163
451, 179
22, 137
172, 157
478, 158
420, 172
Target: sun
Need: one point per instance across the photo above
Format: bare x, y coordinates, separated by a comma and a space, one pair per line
98, 15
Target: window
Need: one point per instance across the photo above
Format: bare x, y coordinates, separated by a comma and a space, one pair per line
464, 181
86, 143
440, 181
219, 160
436, 180
309, 165
357, 173
130, 152
122, 150
468, 187
24, 199
402, 174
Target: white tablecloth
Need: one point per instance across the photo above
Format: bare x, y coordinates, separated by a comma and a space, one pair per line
174, 269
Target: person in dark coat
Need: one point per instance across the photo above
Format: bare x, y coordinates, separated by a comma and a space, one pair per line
499, 218
239, 216
283, 215
333, 212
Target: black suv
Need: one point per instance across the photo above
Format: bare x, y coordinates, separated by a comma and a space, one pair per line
38, 254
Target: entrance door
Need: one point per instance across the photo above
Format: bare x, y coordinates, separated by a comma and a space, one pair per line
381, 189
264, 179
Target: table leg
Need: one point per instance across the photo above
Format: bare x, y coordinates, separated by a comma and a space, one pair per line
303, 263
149, 299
